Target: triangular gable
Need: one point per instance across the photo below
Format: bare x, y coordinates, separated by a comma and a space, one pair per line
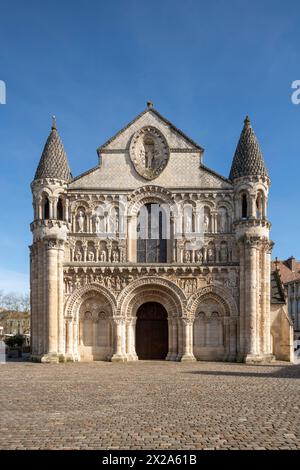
111, 143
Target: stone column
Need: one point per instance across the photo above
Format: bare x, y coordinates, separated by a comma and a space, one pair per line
187, 336
95, 332
119, 330
253, 206
214, 221
33, 300
170, 339
52, 208
74, 222
76, 340
226, 339
66, 210
130, 339
251, 305
42, 313
179, 339
242, 325
232, 339
52, 296
267, 320
171, 241
69, 339
175, 348
60, 294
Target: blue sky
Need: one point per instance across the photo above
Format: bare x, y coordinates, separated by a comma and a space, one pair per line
94, 64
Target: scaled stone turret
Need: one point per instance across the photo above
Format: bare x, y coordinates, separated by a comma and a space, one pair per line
251, 186
50, 229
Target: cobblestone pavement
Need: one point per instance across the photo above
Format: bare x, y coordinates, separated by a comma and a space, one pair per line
149, 405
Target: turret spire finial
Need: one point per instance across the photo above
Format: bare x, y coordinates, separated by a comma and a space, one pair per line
247, 121
53, 123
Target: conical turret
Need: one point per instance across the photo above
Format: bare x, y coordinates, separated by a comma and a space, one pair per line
53, 162
248, 159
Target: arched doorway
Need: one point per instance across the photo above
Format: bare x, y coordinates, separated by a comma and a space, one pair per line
152, 331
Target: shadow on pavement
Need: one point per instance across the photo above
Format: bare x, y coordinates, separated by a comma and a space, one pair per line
291, 371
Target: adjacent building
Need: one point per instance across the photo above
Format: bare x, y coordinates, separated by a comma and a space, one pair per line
290, 276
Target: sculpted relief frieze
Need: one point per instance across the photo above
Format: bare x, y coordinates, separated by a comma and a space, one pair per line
115, 280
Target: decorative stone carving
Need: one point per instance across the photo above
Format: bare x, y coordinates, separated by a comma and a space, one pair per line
199, 256
210, 255
222, 220
97, 224
149, 152
206, 223
91, 256
80, 221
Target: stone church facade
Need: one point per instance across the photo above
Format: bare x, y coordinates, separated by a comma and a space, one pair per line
151, 255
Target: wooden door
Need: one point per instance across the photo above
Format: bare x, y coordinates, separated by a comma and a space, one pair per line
152, 331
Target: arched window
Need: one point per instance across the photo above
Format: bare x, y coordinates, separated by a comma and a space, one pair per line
244, 206
260, 205
151, 234
60, 209
46, 208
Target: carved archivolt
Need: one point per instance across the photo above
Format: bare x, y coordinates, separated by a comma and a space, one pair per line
82, 293
218, 294
151, 289
148, 194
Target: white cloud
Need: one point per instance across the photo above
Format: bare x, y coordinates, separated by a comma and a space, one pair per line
12, 281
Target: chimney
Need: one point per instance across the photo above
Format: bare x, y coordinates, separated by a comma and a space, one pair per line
292, 263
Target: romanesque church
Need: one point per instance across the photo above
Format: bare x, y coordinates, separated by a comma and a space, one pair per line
151, 254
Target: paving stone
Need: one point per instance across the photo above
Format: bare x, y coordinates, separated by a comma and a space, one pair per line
149, 405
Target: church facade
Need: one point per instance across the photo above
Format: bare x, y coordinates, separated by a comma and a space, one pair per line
151, 255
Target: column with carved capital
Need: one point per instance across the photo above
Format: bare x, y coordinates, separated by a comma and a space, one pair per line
119, 340
187, 337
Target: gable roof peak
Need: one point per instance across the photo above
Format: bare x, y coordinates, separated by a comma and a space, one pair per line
150, 109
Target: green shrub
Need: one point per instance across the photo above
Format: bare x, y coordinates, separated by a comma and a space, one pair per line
15, 341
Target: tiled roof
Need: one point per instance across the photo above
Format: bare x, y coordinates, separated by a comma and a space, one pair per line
287, 274
248, 159
53, 162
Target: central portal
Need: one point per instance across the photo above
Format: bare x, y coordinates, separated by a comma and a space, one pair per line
152, 331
